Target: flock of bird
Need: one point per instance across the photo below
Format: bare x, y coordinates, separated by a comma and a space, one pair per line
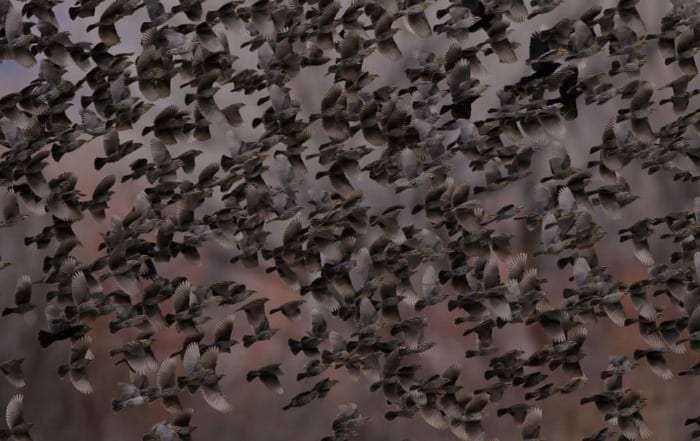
375, 269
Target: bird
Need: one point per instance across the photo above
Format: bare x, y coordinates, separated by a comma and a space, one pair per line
76, 369
458, 181
60, 326
23, 297
268, 375
168, 387
12, 369
200, 372
18, 428
138, 355
290, 309
133, 394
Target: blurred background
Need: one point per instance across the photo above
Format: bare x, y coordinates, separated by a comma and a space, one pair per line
61, 413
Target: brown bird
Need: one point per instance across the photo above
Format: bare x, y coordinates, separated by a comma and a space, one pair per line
200, 370
76, 369
12, 369
268, 375
23, 297
18, 428
290, 309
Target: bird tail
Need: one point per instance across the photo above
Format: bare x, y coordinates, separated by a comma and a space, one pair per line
46, 338
117, 406
85, 101
452, 305
146, 25
56, 152
639, 353
100, 162
294, 346
444, 276
63, 370
114, 326
248, 340
73, 12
